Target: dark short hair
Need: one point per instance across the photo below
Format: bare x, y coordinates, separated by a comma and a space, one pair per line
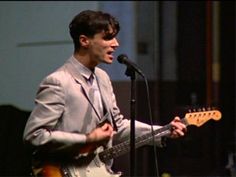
90, 22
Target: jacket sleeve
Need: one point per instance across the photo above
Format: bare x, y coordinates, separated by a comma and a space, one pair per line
39, 130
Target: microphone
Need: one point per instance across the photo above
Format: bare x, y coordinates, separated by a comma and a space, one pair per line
123, 59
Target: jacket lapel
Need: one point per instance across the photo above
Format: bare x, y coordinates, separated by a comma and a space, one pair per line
103, 90
71, 67
106, 100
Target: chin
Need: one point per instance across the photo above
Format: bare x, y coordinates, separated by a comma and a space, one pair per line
108, 61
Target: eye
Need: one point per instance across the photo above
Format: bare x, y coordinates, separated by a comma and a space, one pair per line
108, 37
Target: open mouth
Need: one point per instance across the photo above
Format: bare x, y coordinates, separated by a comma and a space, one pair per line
110, 52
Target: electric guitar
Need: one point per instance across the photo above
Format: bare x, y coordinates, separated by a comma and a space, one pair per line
93, 164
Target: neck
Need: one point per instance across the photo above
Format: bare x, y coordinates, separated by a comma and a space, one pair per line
85, 60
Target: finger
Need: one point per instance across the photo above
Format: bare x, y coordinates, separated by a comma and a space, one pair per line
105, 126
177, 125
179, 132
110, 129
176, 133
177, 119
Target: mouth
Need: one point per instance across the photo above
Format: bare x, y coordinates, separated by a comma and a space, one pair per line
110, 53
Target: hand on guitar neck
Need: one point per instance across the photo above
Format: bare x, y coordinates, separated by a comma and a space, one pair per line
178, 128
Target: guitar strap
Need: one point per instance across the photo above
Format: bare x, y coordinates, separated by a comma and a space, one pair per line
108, 115
107, 118
113, 122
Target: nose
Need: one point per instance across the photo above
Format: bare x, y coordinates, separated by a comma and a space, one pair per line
115, 42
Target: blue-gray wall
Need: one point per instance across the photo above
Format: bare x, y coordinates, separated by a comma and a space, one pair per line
34, 40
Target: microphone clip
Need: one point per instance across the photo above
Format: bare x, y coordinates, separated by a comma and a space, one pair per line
130, 72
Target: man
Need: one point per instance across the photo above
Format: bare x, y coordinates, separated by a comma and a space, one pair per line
76, 111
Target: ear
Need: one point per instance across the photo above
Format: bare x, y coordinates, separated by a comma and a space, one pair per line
84, 41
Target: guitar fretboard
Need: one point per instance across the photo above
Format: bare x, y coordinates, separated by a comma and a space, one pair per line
124, 147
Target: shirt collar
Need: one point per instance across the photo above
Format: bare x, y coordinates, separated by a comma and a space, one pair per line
83, 70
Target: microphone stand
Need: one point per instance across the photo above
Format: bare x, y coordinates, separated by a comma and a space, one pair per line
130, 72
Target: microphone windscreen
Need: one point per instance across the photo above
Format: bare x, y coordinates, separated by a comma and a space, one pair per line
121, 58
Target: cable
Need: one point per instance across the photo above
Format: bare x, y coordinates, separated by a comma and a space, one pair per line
151, 122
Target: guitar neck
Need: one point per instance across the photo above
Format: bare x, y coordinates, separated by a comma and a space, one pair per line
124, 147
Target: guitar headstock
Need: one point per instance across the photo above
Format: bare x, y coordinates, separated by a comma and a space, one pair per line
199, 117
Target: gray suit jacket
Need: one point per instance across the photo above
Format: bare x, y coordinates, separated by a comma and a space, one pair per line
64, 112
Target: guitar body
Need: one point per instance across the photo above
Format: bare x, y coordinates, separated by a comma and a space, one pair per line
95, 168
90, 166
50, 170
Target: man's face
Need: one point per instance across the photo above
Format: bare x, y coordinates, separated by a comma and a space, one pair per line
101, 49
